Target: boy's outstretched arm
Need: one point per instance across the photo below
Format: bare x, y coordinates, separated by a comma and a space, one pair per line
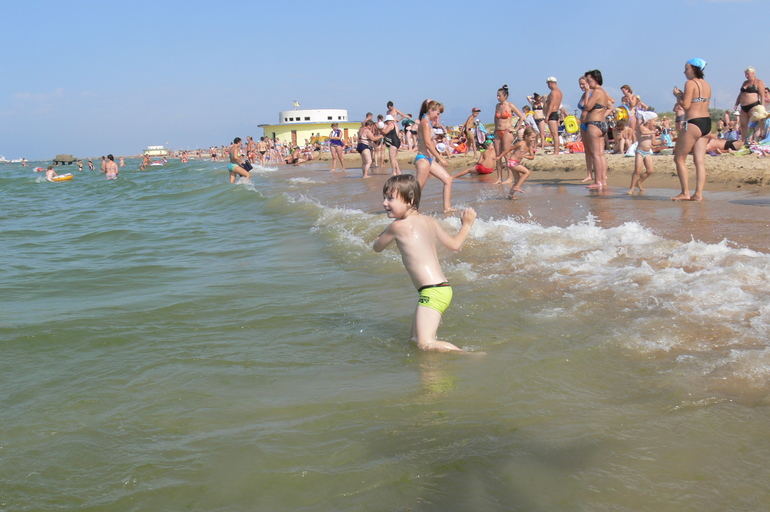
382, 241
456, 242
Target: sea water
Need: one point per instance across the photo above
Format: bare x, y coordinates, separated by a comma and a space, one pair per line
174, 342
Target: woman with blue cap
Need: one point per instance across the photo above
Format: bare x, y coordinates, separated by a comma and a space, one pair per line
693, 137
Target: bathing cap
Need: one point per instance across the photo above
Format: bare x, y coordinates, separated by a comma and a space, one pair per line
700, 63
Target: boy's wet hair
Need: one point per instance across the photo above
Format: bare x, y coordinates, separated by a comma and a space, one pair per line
407, 188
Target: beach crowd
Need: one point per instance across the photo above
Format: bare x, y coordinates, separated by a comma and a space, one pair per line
543, 126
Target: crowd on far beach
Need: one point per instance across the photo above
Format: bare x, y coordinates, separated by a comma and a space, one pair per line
544, 126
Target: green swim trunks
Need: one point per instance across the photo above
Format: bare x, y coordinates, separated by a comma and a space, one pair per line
436, 296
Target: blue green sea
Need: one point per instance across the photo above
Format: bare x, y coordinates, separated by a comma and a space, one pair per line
171, 341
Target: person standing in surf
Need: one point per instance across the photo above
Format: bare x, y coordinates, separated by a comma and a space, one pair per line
504, 111
694, 135
236, 161
428, 160
416, 236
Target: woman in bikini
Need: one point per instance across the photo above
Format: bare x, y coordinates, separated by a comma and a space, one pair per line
750, 96
335, 146
366, 139
504, 112
697, 125
596, 107
538, 103
393, 142
632, 103
428, 160
583, 136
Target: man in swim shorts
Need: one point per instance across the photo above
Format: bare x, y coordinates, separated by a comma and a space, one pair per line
551, 111
236, 161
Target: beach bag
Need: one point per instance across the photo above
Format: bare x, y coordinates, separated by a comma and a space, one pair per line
577, 147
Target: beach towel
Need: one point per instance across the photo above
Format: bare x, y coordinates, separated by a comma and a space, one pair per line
481, 133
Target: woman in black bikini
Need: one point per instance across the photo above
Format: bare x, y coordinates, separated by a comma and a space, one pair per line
392, 141
366, 139
749, 97
693, 138
596, 108
583, 84
538, 103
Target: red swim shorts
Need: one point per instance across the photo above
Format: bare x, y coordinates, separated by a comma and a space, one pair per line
483, 170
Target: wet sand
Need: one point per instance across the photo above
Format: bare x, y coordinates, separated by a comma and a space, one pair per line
735, 207
724, 172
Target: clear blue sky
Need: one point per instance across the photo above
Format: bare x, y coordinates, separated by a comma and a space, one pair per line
91, 78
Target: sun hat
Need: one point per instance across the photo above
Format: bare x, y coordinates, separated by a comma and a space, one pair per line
389, 118
476, 109
646, 115
758, 113
551, 79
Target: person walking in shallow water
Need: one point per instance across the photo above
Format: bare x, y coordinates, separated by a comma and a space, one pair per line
428, 160
336, 146
504, 112
416, 236
235, 167
111, 168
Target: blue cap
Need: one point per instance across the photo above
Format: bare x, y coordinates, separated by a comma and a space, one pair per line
700, 63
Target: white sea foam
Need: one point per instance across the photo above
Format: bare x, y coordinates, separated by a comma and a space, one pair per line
656, 297
304, 181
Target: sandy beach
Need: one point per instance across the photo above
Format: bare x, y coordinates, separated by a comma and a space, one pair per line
724, 172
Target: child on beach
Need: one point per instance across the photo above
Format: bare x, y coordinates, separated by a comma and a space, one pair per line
416, 236
518, 152
529, 136
428, 160
485, 163
645, 133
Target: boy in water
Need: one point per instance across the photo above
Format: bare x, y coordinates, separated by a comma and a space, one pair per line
416, 235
